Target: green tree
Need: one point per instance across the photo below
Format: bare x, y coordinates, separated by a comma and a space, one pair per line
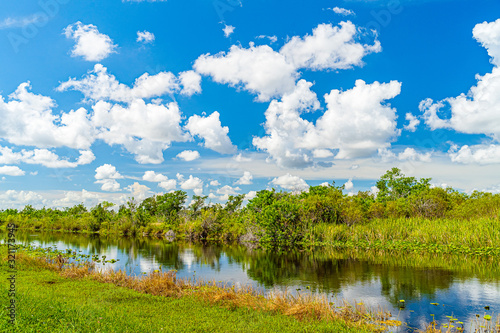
394, 185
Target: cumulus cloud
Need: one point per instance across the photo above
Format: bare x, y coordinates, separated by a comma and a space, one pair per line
214, 183
328, 48
138, 191
228, 30
258, 69
151, 176
349, 185
290, 182
107, 175
145, 37
190, 81
188, 155
409, 154
246, 179
211, 131
43, 157
477, 111
413, 122
250, 195
144, 129
90, 43
99, 85
228, 190
9, 170
192, 183
168, 185
19, 199
28, 120
267, 73
480, 154
356, 123
72, 198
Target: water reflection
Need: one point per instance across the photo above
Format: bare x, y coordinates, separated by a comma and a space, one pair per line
462, 286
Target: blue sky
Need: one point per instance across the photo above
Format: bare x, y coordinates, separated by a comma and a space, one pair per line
107, 100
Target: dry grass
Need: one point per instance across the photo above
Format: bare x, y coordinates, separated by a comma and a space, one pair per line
159, 283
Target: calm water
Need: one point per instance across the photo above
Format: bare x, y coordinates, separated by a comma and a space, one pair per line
462, 286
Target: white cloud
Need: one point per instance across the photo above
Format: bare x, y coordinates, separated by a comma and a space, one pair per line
409, 154
139, 191
151, 176
290, 182
228, 30
188, 155
106, 175
285, 128
19, 199
228, 190
214, 183
9, 170
476, 112
246, 179
107, 171
328, 48
342, 11
480, 154
250, 195
90, 43
272, 39
145, 130
99, 85
72, 198
322, 153
357, 123
211, 131
190, 82
20, 22
241, 158
43, 157
267, 73
413, 122
28, 120
168, 185
349, 185
145, 37
192, 183
258, 69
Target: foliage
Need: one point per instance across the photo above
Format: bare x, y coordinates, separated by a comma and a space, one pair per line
278, 219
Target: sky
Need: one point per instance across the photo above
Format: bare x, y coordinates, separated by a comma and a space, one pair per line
113, 100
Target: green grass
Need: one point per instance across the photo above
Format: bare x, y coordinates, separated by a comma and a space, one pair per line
48, 302
475, 237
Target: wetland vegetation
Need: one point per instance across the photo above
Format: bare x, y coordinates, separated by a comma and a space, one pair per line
411, 240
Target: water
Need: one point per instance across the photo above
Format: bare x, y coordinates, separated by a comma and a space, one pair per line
462, 286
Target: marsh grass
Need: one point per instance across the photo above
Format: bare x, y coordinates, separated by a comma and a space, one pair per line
479, 236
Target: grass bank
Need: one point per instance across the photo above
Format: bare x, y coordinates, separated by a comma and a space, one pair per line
72, 300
